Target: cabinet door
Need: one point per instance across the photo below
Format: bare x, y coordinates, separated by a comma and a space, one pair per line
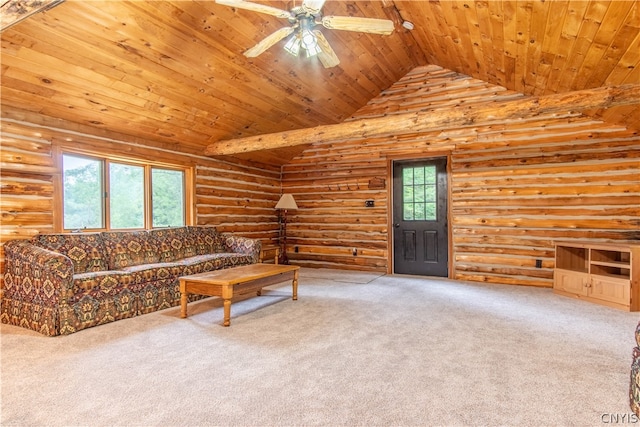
610, 289
571, 281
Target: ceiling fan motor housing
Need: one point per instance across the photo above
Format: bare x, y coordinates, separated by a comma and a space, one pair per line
300, 16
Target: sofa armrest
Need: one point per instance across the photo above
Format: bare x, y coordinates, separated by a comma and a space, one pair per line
34, 273
242, 245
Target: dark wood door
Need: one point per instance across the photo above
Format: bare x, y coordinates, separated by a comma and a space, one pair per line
420, 235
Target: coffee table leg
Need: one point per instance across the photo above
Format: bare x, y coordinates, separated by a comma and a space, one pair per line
227, 312
183, 303
295, 285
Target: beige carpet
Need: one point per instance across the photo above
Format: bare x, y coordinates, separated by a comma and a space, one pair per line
355, 349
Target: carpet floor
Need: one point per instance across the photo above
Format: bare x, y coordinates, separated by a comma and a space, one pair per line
355, 349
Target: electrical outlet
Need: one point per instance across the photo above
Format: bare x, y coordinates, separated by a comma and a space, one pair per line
369, 203
295, 249
538, 263
355, 251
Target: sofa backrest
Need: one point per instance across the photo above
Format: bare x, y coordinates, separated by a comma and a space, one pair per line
86, 250
174, 243
114, 250
207, 239
129, 248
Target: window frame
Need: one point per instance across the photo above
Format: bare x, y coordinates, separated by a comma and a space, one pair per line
107, 159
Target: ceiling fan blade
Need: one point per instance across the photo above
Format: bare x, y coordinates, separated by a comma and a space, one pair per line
256, 7
353, 23
312, 6
327, 56
268, 41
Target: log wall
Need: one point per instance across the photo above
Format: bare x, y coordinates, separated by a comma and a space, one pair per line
236, 197
515, 187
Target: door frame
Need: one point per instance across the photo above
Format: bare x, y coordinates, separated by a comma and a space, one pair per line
390, 228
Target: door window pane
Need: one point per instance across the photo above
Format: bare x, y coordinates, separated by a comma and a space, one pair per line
407, 176
167, 195
82, 193
418, 176
419, 193
126, 184
408, 214
430, 175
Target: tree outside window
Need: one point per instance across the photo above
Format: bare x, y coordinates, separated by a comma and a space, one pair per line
168, 197
89, 193
419, 193
126, 196
82, 193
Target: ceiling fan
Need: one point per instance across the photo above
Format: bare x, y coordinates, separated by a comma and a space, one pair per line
302, 20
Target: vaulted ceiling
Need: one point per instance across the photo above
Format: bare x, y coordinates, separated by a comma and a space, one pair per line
172, 73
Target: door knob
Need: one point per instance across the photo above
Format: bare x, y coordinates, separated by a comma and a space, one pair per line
397, 224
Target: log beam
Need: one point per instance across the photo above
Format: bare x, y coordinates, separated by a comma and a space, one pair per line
14, 11
421, 121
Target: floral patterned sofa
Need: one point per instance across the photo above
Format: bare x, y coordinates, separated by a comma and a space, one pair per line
634, 386
62, 283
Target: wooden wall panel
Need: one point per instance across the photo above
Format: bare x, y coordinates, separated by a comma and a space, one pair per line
26, 171
515, 187
236, 197
239, 198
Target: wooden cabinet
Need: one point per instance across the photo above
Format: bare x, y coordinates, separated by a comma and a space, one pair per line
606, 273
270, 252
571, 281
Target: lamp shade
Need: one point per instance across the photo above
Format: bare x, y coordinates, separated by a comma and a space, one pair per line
293, 45
286, 202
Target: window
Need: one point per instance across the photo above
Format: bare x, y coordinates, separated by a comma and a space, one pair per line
419, 199
126, 196
82, 193
101, 193
167, 196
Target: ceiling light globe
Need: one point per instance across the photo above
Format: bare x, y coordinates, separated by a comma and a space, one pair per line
308, 39
293, 45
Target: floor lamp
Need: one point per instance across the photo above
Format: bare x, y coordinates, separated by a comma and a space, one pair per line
286, 202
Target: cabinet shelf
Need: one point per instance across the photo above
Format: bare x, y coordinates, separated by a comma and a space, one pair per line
572, 258
611, 264
602, 272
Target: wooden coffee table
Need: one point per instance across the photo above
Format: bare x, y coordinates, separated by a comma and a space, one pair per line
228, 282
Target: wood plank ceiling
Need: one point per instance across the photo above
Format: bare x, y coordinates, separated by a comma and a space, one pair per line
172, 73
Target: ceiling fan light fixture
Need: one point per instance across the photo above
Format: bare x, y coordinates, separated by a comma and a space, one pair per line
313, 51
309, 42
293, 45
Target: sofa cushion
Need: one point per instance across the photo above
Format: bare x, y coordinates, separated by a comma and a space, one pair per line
174, 243
208, 240
108, 282
146, 273
86, 250
202, 263
241, 245
128, 248
212, 262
